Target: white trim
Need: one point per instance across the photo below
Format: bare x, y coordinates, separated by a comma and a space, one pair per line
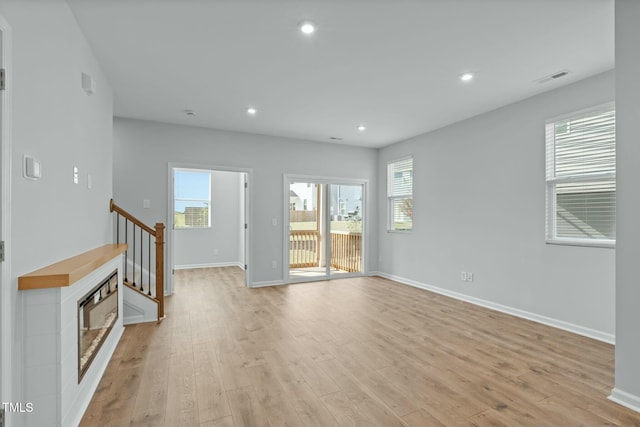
267, 283
560, 324
210, 265
6, 360
587, 243
625, 399
593, 177
248, 206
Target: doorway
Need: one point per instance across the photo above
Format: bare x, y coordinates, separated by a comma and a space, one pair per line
208, 219
325, 233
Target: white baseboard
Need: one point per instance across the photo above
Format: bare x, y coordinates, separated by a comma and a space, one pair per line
211, 265
132, 320
560, 324
623, 398
266, 283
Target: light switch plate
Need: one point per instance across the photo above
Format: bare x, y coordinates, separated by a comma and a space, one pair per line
32, 168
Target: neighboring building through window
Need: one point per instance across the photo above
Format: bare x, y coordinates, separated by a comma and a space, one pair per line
581, 179
400, 194
192, 198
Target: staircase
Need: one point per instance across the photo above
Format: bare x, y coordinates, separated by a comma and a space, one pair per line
143, 278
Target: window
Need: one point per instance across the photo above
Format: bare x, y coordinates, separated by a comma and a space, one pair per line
192, 198
581, 179
400, 194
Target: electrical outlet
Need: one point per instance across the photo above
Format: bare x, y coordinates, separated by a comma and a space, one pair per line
469, 277
274, 264
463, 276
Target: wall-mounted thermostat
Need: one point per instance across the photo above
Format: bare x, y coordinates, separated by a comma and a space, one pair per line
31, 168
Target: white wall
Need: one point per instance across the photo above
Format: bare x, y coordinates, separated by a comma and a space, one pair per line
627, 389
56, 122
220, 244
479, 207
143, 149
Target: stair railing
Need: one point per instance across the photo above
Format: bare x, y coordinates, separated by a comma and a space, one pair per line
138, 236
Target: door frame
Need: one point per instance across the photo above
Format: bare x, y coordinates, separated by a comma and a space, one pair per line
315, 179
6, 324
248, 247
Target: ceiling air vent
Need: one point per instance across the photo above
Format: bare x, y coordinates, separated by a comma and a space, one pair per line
551, 77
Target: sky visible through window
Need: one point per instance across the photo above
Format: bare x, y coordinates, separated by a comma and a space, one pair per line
191, 186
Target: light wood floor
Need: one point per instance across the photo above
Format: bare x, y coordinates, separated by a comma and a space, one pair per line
363, 351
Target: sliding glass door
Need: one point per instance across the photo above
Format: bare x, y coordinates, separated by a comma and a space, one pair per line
325, 230
345, 229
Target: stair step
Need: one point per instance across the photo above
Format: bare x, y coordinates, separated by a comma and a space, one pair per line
130, 285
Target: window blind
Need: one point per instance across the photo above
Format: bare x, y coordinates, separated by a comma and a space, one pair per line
581, 187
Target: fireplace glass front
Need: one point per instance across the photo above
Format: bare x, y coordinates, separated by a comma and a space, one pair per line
97, 313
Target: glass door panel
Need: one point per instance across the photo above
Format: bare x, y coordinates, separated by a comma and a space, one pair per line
345, 229
307, 249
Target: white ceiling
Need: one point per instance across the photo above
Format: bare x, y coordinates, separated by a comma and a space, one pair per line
392, 65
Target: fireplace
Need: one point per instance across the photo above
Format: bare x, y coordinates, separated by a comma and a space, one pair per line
97, 313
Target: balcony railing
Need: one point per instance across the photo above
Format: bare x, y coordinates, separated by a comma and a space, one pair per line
346, 250
304, 250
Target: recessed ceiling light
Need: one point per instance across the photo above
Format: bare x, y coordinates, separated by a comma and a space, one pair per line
251, 111
466, 77
362, 128
307, 27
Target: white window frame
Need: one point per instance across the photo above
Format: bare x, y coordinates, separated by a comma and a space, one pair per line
207, 201
552, 181
391, 198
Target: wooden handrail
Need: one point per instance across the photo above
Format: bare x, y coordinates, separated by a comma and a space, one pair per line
115, 208
304, 232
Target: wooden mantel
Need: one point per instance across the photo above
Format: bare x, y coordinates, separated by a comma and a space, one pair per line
70, 270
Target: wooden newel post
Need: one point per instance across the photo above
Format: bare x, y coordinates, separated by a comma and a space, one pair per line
160, 268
